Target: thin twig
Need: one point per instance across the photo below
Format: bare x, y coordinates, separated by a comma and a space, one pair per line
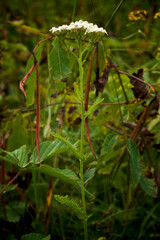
22, 196
139, 79
10, 182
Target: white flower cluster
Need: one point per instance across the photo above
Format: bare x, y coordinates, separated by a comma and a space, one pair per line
79, 27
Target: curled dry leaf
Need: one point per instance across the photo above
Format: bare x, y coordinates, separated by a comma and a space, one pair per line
103, 79
139, 88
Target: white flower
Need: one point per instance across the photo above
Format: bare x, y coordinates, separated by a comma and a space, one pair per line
81, 27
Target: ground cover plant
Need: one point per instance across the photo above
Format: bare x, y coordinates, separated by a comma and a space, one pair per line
79, 135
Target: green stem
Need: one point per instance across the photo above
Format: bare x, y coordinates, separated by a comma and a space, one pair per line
82, 141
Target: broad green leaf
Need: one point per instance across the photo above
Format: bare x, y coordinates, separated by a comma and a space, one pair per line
19, 156
35, 236
70, 145
72, 206
64, 174
48, 149
59, 61
93, 107
31, 81
109, 143
135, 157
148, 185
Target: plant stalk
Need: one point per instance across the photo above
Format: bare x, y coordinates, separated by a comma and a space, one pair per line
82, 142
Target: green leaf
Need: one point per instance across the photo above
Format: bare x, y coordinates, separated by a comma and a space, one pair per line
31, 81
14, 211
8, 189
6, 159
59, 61
48, 149
19, 134
109, 143
109, 155
35, 236
72, 206
89, 175
93, 107
70, 145
135, 157
148, 185
18, 156
64, 174
107, 169
60, 86
77, 92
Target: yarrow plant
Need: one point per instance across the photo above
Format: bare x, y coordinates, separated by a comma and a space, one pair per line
85, 35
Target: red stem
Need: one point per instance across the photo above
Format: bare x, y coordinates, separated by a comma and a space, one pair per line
37, 110
31, 69
86, 101
24, 79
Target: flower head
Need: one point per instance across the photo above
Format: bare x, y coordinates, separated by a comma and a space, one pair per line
138, 15
157, 15
82, 28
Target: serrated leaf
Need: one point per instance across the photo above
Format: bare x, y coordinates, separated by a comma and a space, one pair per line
93, 107
135, 158
48, 149
148, 185
59, 61
31, 81
70, 145
72, 206
35, 236
64, 174
18, 156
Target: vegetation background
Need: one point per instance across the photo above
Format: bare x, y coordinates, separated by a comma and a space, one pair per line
120, 209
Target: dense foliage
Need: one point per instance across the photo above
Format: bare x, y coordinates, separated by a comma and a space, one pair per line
79, 121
